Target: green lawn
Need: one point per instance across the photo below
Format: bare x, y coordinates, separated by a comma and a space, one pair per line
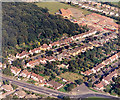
53, 6
63, 89
71, 76
109, 0
115, 3
84, 11
93, 90
97, 98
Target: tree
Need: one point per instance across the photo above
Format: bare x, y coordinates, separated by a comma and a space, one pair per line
80, 81
7, 71
49, 53
89, 84
21, 25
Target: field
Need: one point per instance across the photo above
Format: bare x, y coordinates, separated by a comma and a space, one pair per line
115, 3
97, 98
71, 76
63, 89
53, 6
109, 0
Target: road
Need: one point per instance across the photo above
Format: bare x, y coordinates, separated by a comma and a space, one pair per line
54, 93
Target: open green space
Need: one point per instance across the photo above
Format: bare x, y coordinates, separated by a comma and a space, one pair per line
71, 76
97, 98
53, 6
63, 89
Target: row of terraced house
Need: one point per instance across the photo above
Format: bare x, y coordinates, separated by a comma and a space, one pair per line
57, 43
101, 65
29, 75
73, 52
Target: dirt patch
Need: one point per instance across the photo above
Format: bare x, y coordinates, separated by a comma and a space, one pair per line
76, 13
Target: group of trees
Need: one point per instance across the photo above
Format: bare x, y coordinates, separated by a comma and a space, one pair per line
70, 86
91, 58
26, 22
114, 87
7, 71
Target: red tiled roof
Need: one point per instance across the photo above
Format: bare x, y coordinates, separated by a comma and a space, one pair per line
33, 50
99, 66
114, 56
65, 12
34, 62
45, 46
37, 76
106, 61
55, 43
15, 69
99, 85
50, 58
88, 72
26, 72
109, 77
23, 53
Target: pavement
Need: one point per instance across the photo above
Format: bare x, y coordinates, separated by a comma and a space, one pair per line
54, 93
7, 93
81, 89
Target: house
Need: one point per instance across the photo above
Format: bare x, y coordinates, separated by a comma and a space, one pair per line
99, 86
77, 50
22, 55
112, 8
104, 5
88, 72
42, 60
0, 65
50, 58
117, 14
108, 6
1, 83
32, 96
99, 4
54, 44
32, 64
38, 78
25, 73
7, 88
114, 57
106, 62
15, 70
111, 13
44, 47
109, 77
36, 50
63, 66
97, 68
66, 13
54, 84
94, 43
60, 56
20, 93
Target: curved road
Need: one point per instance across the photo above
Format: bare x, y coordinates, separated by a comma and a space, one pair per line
53, 93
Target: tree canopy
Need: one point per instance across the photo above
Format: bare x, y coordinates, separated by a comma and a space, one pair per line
26, 22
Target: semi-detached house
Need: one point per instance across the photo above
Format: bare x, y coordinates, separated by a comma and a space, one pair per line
22, 55
15, 70
25, 73
37, 78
